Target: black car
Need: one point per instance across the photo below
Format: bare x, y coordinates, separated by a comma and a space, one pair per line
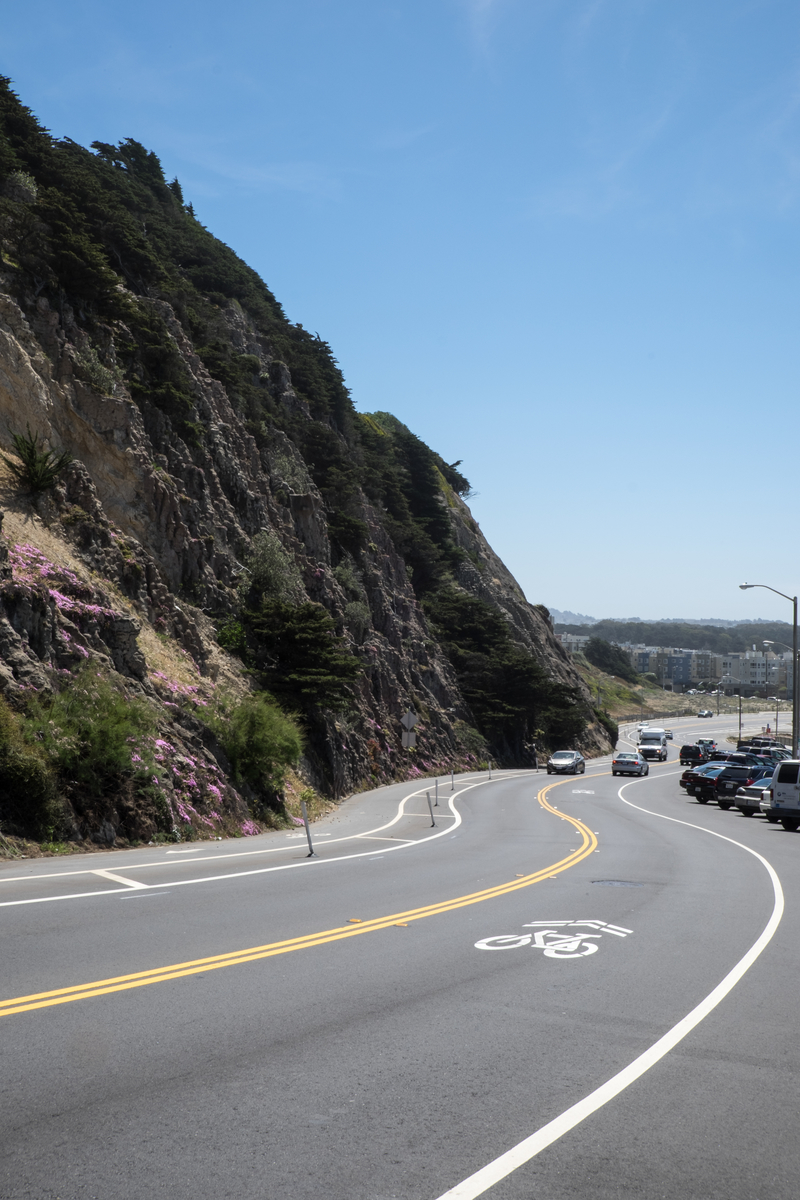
725, 783
688, 779
741, 758
693, 754
703, 789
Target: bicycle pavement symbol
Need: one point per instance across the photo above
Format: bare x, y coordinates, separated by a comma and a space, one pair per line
556, 939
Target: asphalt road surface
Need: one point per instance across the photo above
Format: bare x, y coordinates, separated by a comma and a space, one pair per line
567, 988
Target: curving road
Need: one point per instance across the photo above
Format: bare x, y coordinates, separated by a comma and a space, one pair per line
579, 987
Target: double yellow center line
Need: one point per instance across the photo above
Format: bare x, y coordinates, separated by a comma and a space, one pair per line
198, 966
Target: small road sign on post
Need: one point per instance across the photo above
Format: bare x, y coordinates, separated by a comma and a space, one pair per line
408, 721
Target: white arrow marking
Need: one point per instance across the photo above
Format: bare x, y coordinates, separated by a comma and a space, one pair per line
131, 883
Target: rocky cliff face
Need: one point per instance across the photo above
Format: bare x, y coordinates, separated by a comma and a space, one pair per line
199, 423
168, 529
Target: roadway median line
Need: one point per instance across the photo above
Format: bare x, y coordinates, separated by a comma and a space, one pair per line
121, 983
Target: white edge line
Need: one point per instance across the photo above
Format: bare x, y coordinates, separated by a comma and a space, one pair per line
268, 850
527, 1149
318, 862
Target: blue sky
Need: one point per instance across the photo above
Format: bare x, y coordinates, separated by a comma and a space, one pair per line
557, 238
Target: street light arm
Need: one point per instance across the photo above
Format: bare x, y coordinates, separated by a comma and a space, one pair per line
744, 586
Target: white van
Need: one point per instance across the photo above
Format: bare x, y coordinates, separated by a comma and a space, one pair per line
785, 798
653, 744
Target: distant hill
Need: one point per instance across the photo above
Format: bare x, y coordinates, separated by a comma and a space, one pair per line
570, 618
738, 636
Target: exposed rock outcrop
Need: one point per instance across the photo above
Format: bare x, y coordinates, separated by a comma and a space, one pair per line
169, 526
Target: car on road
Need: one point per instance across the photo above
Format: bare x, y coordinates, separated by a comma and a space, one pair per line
653, 744
744, 758
668, 734
772, 756
705, 712
688, 779
703, 789
693, 754
709, 743
723, 785
748, 798
784, 794
566, 762
629, 764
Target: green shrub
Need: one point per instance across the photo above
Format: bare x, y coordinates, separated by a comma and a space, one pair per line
609, 724
90, 368
260, 741
349, 579
611, 659
28, 803
231, 636
39, 468
271, 570
90, 731
20, 185
358, 619
472, 741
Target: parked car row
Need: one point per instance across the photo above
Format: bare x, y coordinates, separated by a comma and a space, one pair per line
705, 749
755, 779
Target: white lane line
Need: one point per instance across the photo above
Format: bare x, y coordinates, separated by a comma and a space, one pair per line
527, 1149
316, 863
131, 883
161, 862
368, 837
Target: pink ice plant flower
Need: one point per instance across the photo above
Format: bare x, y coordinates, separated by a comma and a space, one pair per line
30, 569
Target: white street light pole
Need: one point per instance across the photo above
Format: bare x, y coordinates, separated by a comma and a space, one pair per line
793, 600
777, 701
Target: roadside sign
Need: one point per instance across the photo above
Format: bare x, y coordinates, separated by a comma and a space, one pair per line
409, 740
409, 720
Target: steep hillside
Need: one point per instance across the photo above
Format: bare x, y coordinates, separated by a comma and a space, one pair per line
234, 553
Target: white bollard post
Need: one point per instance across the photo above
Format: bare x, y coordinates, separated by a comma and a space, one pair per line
311, 853
452, 784
437, 794
430, 810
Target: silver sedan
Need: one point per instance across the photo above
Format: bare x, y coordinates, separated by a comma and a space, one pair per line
630, 764
566, 762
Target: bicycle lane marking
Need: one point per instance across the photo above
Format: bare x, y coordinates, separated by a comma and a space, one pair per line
119, 983
480, 1182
